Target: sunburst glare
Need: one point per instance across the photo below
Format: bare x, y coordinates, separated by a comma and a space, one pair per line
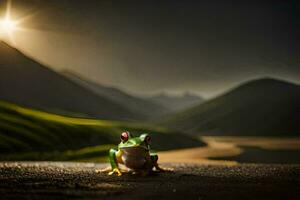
8, 25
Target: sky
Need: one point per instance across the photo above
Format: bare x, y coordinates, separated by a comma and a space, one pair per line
147, 47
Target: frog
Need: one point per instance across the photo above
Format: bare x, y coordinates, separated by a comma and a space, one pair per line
135, 154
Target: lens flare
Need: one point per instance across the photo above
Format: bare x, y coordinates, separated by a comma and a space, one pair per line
8, 25
11, 26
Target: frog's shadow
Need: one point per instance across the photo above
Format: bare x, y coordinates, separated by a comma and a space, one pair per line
153, 173
136, 173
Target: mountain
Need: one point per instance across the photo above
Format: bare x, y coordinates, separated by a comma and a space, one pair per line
27, 82
259, 107
136, 104
177, 103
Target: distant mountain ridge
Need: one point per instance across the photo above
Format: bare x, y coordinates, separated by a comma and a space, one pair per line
177, 103
259, 107
136, 104
27, 82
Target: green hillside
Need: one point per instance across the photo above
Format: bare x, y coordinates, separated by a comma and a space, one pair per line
263, 107
27, 134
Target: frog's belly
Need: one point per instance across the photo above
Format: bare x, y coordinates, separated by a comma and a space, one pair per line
136, 158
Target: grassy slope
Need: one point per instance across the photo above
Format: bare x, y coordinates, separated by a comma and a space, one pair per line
27, 134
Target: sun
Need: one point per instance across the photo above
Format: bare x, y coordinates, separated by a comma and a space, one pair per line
8, 25
11, 24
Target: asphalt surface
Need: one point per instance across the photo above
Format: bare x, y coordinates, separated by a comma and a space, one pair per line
63, 180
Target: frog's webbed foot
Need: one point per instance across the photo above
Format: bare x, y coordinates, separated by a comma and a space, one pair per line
108, 170
163, 169
115, 170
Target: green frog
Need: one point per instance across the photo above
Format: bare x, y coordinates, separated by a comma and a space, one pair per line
135, 153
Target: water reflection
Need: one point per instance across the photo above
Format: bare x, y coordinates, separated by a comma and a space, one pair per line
260, 155
234, 150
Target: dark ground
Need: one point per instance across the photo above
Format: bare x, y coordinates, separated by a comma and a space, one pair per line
60, 180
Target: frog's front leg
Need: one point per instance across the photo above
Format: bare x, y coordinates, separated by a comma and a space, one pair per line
154, 158
114, 156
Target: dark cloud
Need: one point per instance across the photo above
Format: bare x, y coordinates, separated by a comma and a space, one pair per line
149, 46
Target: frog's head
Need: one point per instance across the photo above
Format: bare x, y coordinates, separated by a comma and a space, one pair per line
128, 141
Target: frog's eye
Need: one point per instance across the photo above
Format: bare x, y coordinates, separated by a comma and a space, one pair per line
148, 139
124, 136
